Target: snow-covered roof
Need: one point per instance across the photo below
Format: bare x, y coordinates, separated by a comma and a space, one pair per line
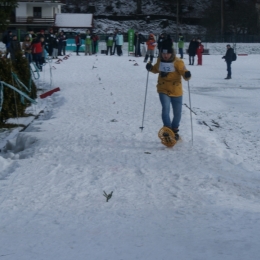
74, 20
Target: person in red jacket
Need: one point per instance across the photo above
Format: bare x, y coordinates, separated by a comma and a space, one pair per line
95, 39
78, 42
37, 52
199, 52
151, 44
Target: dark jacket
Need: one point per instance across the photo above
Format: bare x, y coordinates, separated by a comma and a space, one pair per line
165, 40
193, 47
78, 40
160, 41
54, 43
229, 55
49, 39
64, 41
7, 39
60, 39
15, 47
138, 39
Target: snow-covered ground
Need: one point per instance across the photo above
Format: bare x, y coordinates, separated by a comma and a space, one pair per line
197, 201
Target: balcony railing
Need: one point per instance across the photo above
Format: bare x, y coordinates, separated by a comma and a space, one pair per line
34, 20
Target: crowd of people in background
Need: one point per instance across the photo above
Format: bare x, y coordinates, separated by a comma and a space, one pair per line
195, 46
36, 46
114, 42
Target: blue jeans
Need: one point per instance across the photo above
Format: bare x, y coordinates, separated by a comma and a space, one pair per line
28, 56
63, 49
229, 68
37, 59
176, 103
77, 49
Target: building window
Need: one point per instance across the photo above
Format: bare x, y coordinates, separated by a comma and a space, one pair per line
37, 12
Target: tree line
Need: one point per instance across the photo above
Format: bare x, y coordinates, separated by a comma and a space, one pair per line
218, 16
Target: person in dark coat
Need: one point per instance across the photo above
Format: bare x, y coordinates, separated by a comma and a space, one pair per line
228, 58
64, 43
164, 39
60, 43
192, 50
15, 47
160, 41
40, 34
7, 40
42, 59
114, 39
49, 41
55, 46
138, 40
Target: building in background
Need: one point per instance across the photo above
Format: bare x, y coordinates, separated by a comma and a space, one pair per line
34, 15
71, 24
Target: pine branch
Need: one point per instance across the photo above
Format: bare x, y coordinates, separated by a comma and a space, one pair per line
108, 196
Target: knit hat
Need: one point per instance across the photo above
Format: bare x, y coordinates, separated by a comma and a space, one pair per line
167, 47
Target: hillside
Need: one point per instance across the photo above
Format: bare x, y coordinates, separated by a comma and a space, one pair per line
155, 16
188, 8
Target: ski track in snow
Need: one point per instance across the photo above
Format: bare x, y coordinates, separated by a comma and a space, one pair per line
190, 202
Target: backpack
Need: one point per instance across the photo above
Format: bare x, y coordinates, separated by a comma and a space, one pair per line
234, 56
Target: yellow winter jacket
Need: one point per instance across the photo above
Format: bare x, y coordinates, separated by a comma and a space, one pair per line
171, 84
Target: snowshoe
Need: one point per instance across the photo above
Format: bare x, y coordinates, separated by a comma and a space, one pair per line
167, 136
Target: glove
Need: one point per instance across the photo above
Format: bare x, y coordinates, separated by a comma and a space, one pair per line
164, 74
187, 74
149, 66
223, 57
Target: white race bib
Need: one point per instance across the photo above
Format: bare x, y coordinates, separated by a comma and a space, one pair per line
88, 37
166, 67
110, 38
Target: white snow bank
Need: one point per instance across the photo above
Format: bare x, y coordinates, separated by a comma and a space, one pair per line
4, 167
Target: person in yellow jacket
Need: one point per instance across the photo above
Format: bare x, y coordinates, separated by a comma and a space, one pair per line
171, 69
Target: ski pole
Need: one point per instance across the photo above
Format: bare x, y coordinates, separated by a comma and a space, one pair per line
190, 115
142, 127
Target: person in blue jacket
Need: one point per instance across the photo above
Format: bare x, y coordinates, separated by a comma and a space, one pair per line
119, 42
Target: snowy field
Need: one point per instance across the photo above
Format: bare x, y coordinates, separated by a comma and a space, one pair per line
196, 202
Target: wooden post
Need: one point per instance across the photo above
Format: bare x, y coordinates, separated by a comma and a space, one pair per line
222, 18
